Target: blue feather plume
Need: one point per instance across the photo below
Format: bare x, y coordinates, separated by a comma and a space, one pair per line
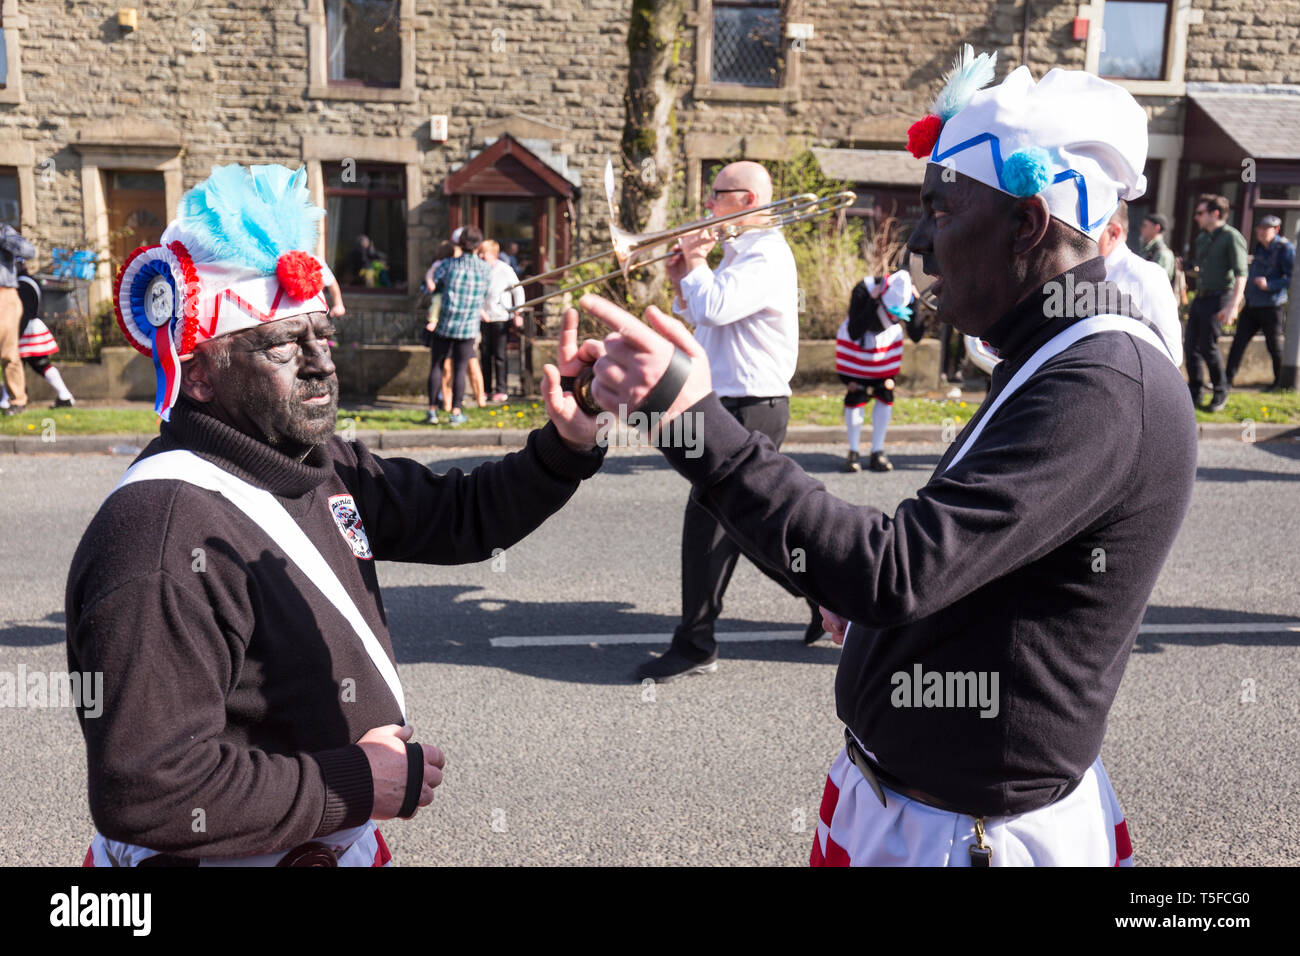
968, 74
250, 216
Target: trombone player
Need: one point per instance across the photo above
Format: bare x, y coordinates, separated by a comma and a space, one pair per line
746, 319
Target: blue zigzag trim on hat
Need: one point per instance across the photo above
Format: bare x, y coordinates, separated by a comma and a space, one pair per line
995, 148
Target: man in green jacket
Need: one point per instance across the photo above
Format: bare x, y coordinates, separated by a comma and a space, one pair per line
1220, 255
1153, 230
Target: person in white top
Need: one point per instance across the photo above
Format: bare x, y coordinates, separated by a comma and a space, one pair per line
1145, 283
497, 318
746, 318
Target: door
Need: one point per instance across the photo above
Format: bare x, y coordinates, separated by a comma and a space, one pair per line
137, 211
512, 220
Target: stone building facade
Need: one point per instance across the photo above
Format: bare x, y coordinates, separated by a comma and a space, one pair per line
109, 112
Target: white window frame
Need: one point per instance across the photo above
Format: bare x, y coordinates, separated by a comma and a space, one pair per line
1173, 83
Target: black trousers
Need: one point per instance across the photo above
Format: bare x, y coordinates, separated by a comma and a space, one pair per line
1202, 342
1258, 318
461, 351
492, 355
709, 556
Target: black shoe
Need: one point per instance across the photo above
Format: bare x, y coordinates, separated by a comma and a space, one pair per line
1218, 403
880, 462
814, 632
15, 409
673, 665
853, 463
64, 402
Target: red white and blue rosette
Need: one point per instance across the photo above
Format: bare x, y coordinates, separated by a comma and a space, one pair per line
153, 294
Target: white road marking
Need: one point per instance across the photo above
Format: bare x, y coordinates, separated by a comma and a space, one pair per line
750, 637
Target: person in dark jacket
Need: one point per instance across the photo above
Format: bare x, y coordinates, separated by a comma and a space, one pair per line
1272, 262
992, 615
226, 590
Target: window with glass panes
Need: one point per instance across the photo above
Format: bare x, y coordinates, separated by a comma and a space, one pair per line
747, 42
363, 41
1133, 39
365, 224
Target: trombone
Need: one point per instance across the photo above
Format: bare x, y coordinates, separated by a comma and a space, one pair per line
629, 248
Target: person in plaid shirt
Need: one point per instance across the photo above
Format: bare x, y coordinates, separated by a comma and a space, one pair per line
463, 282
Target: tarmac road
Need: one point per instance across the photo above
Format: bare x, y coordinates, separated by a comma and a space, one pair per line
557, 755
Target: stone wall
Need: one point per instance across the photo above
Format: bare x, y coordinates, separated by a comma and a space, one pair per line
1245, 41
207, 83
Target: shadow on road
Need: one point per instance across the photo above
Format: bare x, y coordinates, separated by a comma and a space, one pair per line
1154, 643
48, 630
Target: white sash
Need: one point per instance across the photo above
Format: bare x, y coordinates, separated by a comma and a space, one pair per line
1049, 349
269, 515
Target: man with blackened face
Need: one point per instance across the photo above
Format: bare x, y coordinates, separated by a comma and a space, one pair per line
983, 648
226, 589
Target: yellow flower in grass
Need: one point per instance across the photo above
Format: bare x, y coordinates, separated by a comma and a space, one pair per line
493, 414
501, 424
519, 414
963, 404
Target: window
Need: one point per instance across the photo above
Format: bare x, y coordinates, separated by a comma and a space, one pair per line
12, 23
1133, 39
361, 50
365, 224
10, 209
746, 43
745, 52
364, 42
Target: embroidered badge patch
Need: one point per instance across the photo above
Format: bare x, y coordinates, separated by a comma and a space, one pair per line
348, 519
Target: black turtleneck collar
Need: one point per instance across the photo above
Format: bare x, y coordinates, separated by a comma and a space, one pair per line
1020, 327
254, 461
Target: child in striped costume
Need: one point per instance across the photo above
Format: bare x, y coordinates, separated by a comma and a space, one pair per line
868, 353
36, 343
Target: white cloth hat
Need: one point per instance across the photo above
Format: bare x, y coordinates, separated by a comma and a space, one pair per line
1076, 140
897, 297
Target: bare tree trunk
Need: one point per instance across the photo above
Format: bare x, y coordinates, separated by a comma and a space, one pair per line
654, 44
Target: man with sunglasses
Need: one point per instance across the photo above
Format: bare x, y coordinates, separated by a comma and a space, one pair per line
746, 318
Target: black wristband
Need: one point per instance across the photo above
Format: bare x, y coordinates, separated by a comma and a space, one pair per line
668, 387
414, 780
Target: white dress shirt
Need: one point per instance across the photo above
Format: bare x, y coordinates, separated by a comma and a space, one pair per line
1147, 284
498, 301
746, 315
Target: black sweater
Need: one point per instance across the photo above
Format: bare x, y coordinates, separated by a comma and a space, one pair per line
992, 567
231, 684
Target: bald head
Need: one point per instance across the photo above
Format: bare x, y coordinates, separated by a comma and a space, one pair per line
749, 176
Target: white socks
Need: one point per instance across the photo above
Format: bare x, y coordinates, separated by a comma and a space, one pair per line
853, 421
56, 382
880, 415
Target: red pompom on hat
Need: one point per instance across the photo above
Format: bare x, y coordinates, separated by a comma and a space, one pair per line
923, 134
299, 275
